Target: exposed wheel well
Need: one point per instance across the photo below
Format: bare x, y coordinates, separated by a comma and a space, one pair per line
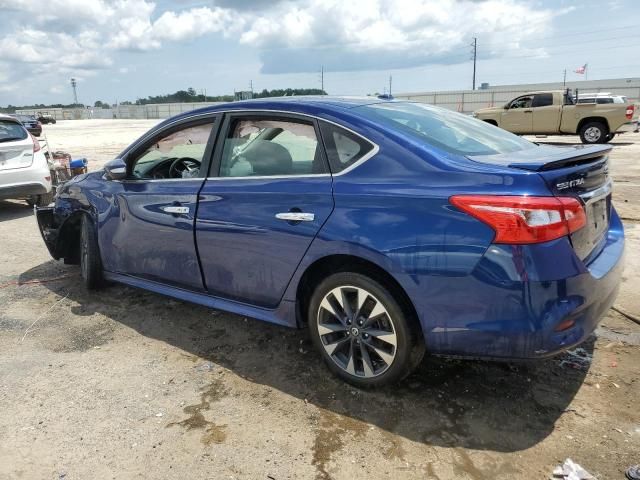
593, 119
326, 266
492, 122
69, 239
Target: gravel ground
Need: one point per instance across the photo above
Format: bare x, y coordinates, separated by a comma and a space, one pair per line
128, 384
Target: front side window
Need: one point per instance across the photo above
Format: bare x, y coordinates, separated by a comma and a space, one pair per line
343, 147
175, 155
522, 102
450, 131
271, 147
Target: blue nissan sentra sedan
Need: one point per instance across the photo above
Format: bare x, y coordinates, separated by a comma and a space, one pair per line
388, 228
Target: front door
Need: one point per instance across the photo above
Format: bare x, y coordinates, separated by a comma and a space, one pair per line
152, 235
518, 118
262, 206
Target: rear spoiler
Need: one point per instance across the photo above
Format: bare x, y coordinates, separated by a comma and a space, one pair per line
548, 159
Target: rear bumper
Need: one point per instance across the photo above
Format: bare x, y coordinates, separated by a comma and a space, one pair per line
24, 190
628, 127
517, 298
24, 182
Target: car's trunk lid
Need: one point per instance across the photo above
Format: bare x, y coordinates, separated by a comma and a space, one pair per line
16, 154
581, 172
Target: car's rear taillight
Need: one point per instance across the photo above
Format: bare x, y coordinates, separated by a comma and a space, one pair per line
629, 112
36, 144
523, 219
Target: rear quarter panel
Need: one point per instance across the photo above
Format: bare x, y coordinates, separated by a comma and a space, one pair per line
572, 115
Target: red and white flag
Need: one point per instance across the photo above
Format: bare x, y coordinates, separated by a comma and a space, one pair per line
581, 70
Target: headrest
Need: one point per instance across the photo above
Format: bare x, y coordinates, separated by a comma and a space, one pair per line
268, 158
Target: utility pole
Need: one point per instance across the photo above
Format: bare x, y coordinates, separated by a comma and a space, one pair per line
75, 91
251, 87
390, 80
475, 56
564, 80
322, 78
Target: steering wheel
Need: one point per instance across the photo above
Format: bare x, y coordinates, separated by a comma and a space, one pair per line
183, 164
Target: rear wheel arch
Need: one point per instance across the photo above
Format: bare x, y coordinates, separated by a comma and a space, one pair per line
586, 120
491, 122
326, 266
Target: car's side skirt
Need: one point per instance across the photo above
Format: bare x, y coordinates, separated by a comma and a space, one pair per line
284, 314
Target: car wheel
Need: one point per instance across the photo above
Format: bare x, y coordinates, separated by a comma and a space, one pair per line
90, 263
594, 132
40, 200
363, 334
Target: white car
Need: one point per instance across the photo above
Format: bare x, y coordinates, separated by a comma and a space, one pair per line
601, 98
24, 171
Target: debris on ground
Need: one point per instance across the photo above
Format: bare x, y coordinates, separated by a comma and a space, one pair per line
570, 470
577, 358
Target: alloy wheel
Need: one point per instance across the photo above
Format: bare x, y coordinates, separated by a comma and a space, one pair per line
357, 331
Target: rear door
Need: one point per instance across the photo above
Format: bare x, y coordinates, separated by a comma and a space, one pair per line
518, 118
16, 146
546, 115
267, 196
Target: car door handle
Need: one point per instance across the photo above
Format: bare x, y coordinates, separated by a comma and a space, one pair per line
296, 216
528, 111
175, 209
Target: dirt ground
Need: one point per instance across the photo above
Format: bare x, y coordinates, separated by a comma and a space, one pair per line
128, 384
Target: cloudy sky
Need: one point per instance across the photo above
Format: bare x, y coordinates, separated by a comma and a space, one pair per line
125, 49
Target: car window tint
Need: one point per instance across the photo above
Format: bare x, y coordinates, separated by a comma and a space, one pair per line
542, 100
11, 131
444, 129
269, 147
188, 143
343, 147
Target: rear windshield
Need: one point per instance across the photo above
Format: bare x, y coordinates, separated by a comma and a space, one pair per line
450, 131
11, 131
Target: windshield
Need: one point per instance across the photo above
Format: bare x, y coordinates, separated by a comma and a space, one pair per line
450, 131
10, 131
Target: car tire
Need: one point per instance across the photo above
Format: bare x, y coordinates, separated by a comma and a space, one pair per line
373, 341
90, 262
594, 132
41, 200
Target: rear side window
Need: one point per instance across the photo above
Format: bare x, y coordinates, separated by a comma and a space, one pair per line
343, 147
11, 131
450, 131
542, 100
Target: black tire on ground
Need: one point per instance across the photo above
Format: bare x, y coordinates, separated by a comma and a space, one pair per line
355, 344
90, 263
41, 200
594, 132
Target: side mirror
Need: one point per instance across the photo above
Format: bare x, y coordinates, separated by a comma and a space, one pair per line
116, 169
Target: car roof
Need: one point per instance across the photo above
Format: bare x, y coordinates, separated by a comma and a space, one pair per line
9, 117
296, 104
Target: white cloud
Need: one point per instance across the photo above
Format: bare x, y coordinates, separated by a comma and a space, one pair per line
83, 36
